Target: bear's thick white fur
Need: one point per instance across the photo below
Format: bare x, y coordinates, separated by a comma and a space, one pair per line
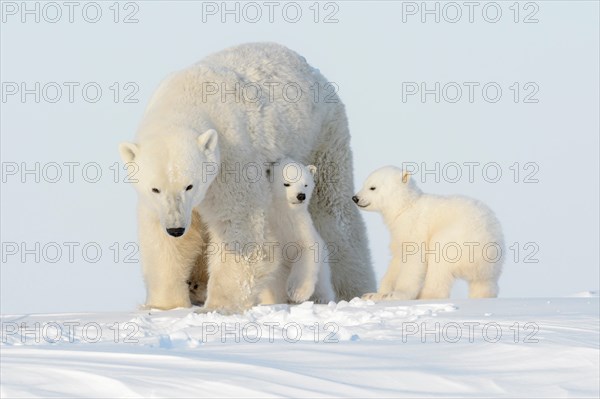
198, 280
303, 255
435, 239
201, 150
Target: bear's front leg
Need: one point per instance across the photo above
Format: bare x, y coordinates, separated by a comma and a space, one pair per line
166, 262
409, 278
239, 269
300, 287
227, 290
303, 277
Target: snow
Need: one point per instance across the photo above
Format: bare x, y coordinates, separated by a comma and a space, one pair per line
547, 348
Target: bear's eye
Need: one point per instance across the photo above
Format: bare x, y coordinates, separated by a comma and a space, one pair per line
372, 188
306, 185
286, 184
188, 188
156, 190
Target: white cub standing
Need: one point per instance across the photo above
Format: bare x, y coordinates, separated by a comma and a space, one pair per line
303, 271
435, 239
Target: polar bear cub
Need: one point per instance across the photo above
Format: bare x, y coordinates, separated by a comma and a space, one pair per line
435, 239
304, 271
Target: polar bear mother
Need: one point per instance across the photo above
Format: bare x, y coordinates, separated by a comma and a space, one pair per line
204, 136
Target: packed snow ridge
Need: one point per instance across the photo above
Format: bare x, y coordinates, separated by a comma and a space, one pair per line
453, 348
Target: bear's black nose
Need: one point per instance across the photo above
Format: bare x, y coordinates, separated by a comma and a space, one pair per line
301, 197
355, 199
176, 232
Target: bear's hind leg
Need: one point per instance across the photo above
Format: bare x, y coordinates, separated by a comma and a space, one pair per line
336, 217
438, 282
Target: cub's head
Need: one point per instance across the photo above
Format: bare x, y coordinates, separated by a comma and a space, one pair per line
172, 173
385, 189
293, 183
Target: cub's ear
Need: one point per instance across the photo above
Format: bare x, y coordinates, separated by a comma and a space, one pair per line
405, 176
128, 152
312, 169
208, 140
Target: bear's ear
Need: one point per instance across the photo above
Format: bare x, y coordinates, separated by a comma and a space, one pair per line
405, 176
207, 141
128, 152
312, 169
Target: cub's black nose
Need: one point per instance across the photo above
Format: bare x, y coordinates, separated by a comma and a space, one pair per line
355, 199
301, 197
176, 232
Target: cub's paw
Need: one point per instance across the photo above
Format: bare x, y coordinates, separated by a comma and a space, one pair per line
374, 296
322, 296
299, 291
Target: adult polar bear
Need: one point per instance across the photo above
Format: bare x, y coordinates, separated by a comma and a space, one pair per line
193, 146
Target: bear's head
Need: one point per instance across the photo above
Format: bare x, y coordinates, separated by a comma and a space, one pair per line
293, 183
388, 188
172, 173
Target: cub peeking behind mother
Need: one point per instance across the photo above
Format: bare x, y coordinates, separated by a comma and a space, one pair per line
189, 142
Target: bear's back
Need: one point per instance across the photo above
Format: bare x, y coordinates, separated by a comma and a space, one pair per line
265, 55
466, 214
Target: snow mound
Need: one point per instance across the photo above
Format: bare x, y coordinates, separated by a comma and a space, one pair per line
335, 322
